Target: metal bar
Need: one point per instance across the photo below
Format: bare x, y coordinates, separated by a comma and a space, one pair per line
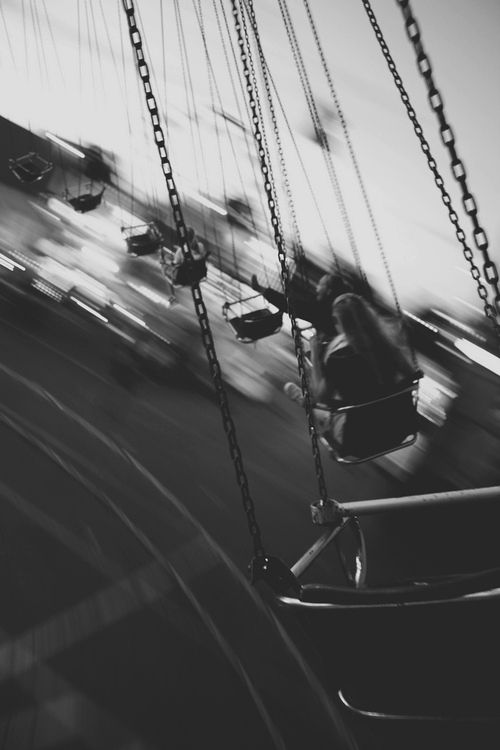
431, 500
319, 545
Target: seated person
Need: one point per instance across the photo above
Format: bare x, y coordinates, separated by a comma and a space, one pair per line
181, 273
362, 362
313, 305
178, 270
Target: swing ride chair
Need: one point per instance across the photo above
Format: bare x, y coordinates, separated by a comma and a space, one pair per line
397, 410
339, 520
30, 168
254, 324
371, 429
84, 202
141, 239
324, 602
187, 273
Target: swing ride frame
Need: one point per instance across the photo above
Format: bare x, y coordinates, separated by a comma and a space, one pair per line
335, 516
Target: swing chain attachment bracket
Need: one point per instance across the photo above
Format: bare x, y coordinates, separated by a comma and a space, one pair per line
326, 512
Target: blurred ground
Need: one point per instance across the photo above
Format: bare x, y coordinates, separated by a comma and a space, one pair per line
125, 544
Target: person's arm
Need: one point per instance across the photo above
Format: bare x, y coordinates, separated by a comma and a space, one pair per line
319, 384
178, 258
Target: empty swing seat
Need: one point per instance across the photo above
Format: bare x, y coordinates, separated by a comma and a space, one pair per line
253, 325
86, 201
142, 239
30, 168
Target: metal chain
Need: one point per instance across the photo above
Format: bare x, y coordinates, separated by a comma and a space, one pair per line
354, 160
489, 309
257, 125
299, 251
201, 310
322, 139
490, 271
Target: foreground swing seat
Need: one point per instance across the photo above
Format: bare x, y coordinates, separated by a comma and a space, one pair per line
354, 433
253, 325
30, 167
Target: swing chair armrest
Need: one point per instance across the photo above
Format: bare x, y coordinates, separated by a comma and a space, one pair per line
468, 587
337, 406
332, 406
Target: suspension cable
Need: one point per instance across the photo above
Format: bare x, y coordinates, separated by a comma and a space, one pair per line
299, 251
249, 144
490, 271
354, 160
321, 136
269, 186
199, 303
489, 309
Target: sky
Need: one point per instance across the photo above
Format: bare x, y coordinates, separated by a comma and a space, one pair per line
67, 67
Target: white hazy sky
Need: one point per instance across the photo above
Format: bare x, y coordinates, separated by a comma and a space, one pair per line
66, 66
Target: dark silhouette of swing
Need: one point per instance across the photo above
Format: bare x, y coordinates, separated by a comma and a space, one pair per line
254, 324
84, 202
183, 272
30, 167
142, 239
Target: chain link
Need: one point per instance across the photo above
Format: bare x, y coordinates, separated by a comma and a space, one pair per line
266, 169
322, 140
364, 193
489, 309
490, 271
199, 304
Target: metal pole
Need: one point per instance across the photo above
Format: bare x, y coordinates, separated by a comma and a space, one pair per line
319, 545
431, 500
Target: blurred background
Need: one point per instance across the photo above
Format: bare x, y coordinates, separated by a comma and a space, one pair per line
114, 450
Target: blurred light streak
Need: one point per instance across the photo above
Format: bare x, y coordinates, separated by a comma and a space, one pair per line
130, 315
458, 324
421, 322
5, 262
89, 309
150, 294
65, 145
98, 259
206, 202
10, 264
48, 290
57, 274
45, 211
479, 355
474, 308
